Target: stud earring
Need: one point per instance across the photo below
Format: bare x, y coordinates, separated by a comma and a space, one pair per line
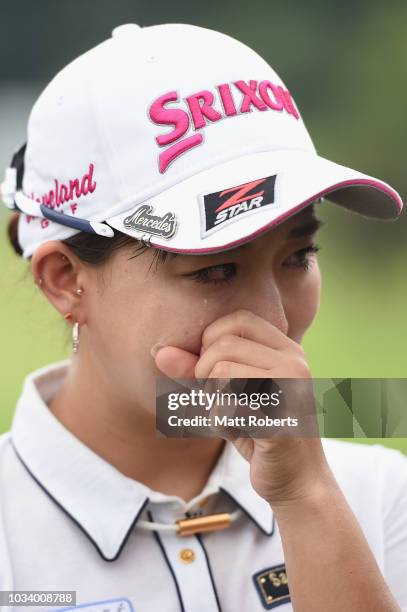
38, 284
79, 291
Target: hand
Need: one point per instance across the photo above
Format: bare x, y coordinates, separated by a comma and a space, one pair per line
243, 345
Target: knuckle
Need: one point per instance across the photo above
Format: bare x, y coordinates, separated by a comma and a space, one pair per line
301, 351
294, 348
226, 342
221, 369
198, 371
242, 316
206, 336
302, 368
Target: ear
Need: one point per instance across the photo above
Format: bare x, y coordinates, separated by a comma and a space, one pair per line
61, 274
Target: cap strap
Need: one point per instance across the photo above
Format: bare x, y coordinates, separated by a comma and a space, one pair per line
14, 199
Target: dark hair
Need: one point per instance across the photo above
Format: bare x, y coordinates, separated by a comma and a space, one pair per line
92, 248
12, 232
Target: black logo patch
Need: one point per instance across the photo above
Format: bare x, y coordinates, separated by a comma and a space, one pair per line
228, 204
144, 221
272, 586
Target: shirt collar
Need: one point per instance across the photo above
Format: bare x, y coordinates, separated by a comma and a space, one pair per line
103, 502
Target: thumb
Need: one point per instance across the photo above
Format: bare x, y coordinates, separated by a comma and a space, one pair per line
175, 362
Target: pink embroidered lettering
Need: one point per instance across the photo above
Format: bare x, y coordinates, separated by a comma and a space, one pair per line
278, 102
289, 103
249, 96
178, 149
74, 189
88, 185
161, 115
263, 96
199, 112
63, 194
227, 100
75, 185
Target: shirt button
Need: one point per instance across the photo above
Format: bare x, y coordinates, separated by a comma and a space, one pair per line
187, 555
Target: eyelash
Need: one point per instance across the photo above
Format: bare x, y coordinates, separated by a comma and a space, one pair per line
201, 276
306, 262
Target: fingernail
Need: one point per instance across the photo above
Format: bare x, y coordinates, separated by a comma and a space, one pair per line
155, 348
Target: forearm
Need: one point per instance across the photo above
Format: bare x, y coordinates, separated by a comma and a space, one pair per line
330, 567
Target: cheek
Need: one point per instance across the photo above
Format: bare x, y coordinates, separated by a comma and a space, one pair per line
178, 319
116, 329
125, 325
302, 303
122, 327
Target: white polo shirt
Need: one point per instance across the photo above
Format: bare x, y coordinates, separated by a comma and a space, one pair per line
68, 521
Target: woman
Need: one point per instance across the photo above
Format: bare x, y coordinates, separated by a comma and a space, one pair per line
178, 146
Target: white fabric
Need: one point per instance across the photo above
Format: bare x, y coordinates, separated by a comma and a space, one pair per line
94, 123
64, 485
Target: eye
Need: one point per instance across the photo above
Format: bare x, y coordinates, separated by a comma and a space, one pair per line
302, 257
215, 275
224, 273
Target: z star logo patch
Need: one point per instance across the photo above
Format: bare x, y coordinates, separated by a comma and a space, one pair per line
145, 222
272, 586
223, 207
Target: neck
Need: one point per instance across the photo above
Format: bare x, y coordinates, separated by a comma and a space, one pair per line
125, 436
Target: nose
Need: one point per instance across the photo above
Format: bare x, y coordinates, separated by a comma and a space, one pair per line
266, 301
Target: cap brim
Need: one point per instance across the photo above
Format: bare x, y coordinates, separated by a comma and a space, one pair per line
183, 218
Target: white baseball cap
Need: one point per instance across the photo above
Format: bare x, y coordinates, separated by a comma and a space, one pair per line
179, 136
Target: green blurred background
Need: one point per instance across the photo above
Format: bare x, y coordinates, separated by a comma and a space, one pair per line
345, 64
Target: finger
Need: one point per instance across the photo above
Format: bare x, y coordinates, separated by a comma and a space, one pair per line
220, 375
238, 350
175, 362
229, 369
227, 433
246, 324
230, 418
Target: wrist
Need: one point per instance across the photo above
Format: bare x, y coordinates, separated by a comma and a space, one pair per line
312, 493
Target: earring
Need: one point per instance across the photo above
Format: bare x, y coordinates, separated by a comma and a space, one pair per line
75, 328
39, 283
75, 332
75, 337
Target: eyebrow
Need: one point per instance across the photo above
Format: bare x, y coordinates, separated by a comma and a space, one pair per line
307, 228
